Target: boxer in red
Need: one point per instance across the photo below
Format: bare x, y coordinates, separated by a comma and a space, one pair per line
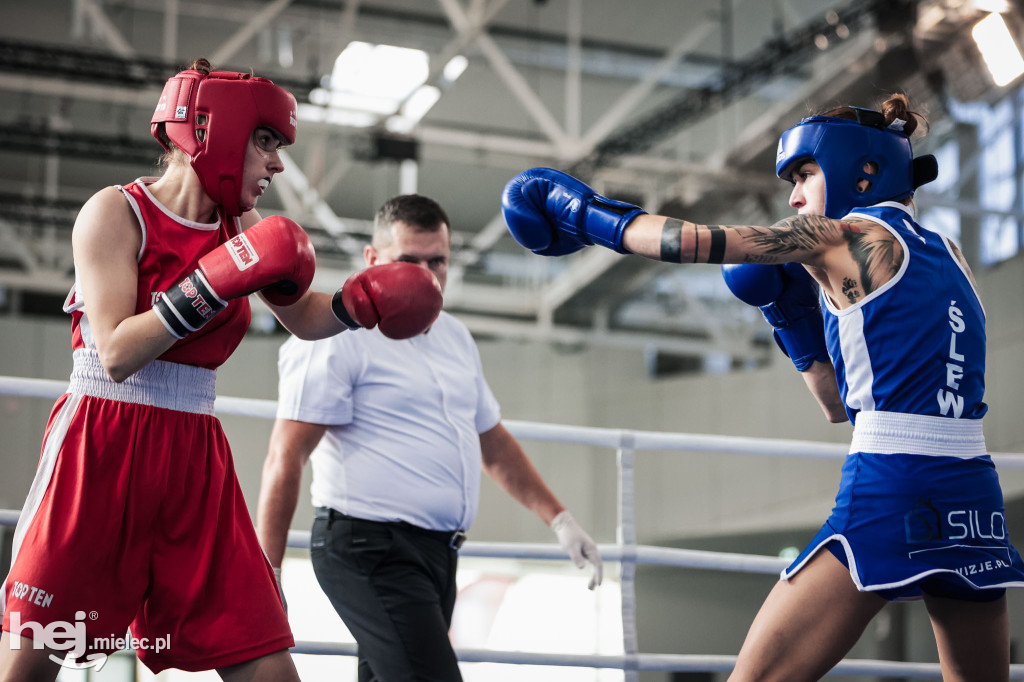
135, 516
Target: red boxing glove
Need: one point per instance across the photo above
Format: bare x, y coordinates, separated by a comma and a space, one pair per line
402, 299
274, 256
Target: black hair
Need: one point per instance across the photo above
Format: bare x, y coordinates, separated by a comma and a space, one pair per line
420, 212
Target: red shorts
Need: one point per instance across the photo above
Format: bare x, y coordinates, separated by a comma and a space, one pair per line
136, 517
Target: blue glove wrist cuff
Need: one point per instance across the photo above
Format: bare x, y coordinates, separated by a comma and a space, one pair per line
777, 317
604, 221
803, 341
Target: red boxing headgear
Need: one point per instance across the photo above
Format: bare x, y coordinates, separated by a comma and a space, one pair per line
212, 118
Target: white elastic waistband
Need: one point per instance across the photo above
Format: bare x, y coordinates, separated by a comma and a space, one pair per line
169, 385
890, 433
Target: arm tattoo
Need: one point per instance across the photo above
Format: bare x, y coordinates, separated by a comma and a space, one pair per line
877, 259
799, 233
963, 263
717, 252
760, 259
671, 241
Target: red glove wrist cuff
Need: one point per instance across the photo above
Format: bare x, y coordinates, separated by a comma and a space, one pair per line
186, 307
338, 308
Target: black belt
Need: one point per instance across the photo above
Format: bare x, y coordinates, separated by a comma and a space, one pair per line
452, 538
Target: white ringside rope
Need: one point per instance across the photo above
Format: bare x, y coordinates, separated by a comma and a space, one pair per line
626, 537
659, 662
582, 435
626, 552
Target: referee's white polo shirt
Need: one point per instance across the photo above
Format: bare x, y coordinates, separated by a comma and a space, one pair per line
404, 420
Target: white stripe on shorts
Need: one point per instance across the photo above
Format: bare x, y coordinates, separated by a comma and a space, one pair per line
47, 462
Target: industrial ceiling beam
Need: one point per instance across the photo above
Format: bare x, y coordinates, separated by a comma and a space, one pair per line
515, 82
232, 45
170, 37
477, 23
776, 57
117, 42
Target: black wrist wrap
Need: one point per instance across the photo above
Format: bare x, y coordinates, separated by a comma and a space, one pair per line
189, 305
338, 307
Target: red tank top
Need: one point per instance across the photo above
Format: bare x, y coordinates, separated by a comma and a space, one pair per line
171, 249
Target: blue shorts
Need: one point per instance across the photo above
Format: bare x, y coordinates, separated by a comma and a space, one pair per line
938, 585
907, 524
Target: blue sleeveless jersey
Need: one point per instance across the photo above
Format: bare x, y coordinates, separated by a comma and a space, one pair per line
916, 345
919, 508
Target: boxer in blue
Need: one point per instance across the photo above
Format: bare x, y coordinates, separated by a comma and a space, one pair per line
882, 318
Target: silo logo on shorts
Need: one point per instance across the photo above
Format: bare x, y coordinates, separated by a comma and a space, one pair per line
242, 252
924, 523
972, 524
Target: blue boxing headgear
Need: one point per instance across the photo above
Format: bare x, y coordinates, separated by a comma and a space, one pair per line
842, 147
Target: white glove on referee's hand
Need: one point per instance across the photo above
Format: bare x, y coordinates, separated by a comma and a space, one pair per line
578, 544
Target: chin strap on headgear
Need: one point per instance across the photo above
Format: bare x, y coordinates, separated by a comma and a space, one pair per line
843, 148
211, 118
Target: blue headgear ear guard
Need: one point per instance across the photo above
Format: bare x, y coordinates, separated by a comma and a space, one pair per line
843, 147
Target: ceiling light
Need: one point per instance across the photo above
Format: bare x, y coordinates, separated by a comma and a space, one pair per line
369, 81
372, 104
990, 5
399, 124
340, 117
454, 68
998, 49
418, 104
320, 96
379, 70
285, 55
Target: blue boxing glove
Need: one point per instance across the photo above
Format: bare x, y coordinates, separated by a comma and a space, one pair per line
554, 214
787, 296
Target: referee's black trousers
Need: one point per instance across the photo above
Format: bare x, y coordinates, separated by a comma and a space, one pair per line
394, 587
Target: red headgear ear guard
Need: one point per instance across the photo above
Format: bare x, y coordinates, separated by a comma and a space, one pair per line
212, 118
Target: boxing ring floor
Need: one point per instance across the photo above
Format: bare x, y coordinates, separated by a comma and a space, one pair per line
626, 553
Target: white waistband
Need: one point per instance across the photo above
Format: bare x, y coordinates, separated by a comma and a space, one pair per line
169, 385
890, 433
